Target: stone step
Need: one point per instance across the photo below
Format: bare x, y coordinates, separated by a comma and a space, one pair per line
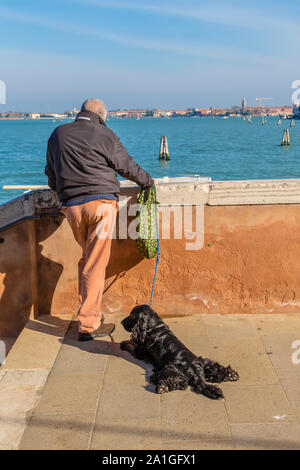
25, 372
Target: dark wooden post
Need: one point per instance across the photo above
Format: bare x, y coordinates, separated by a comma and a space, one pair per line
164, 150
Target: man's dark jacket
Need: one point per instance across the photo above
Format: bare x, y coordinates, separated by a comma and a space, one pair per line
84, 156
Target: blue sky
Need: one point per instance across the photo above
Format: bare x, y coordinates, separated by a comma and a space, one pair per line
137, 53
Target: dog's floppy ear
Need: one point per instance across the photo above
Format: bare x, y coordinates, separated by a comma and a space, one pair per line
140, 328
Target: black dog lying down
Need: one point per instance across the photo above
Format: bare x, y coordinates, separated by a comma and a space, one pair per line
175, 367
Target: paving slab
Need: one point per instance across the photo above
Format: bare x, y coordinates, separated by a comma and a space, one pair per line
58, 432
70, 393
127, 401
276, 324
276, 436
297, 412
280, 350
97, 396
290, 381
225, 444
38, 344
127, 370
223, 326
81, 357
16, 401
187, 416
123, 434
198, 344
248, 357
193, 326
36, 378
257, 404
24, 374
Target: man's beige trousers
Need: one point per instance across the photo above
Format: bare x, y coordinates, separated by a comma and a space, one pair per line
92, 224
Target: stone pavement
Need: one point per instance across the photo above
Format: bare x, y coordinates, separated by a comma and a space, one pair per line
56, 393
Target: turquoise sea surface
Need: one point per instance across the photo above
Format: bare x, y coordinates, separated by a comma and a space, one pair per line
224, 149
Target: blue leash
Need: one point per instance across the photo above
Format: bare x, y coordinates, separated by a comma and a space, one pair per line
157, 256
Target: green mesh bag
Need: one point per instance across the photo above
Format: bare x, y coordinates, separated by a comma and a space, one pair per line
147, 228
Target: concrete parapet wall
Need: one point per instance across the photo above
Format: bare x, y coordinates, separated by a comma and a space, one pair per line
249, 263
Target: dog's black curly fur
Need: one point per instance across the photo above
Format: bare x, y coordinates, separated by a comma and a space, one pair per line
175, 366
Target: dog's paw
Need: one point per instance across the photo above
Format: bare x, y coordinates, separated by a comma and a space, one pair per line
162, 387
124, 345
231, 375
212, 392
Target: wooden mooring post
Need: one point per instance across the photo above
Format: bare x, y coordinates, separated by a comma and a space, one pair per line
164, 150
286, 138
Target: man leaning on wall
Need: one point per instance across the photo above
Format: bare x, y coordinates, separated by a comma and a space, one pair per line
83, 159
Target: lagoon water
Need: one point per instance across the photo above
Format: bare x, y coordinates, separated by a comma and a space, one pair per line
224, 149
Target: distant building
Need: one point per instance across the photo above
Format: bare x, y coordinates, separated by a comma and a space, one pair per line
287, 111
178, 112
244, 104
220, 112
73, 113
34, 115
203, 112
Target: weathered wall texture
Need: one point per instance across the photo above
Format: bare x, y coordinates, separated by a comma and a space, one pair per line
250, 263
18, 277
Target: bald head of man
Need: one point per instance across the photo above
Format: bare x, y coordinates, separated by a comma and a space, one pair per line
95, 106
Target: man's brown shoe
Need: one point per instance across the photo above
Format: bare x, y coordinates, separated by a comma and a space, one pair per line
105, 329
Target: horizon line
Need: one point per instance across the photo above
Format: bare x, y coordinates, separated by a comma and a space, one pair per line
157, 109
